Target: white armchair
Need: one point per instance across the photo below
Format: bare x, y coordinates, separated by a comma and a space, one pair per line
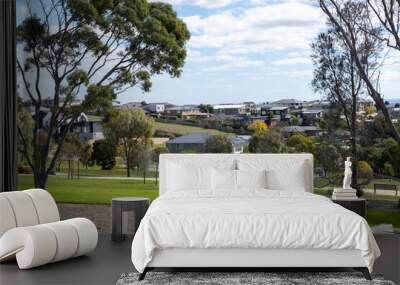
31, 231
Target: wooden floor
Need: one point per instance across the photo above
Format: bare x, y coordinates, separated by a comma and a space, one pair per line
103, 266
110, 259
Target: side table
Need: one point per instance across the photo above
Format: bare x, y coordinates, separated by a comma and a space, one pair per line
358, 206
120, 208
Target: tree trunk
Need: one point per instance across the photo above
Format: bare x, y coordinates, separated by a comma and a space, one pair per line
128, 167
144, 177
40, 180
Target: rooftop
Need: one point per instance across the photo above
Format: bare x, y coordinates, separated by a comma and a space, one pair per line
196, 138
228, 106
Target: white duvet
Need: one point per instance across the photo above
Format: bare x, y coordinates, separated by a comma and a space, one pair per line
250, 219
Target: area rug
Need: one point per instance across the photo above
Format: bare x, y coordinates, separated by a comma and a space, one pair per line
244, 278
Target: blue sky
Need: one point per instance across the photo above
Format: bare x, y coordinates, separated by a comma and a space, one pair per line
248, 50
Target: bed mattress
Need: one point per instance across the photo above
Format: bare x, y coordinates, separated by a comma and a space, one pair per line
251, 219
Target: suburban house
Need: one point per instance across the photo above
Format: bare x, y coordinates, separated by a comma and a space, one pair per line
290, 103
89, 127
155, 107
311, 131
194, 142
185, 112
311, 116
230, 109
239, 143
159, 141
134, 105
279, 113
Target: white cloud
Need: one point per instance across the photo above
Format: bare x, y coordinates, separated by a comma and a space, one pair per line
278, 26
236, 64
292, 61
390, 75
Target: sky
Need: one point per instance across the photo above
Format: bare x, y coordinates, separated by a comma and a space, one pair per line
248, 50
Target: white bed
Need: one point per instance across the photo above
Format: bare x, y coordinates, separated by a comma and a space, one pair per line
201, 219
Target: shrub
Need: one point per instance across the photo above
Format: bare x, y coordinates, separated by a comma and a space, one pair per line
104, 154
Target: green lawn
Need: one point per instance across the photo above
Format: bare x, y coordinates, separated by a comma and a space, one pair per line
92, 191
383, 217
182, 129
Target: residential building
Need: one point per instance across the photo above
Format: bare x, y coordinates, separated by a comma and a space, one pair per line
312, 131
230, 109
157, 141
155, 107
290, 103
310, 117
186, 112
134, 105
239, 143
89, 127
194, 142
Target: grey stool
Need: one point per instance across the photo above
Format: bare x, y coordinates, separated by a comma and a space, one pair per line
120, 208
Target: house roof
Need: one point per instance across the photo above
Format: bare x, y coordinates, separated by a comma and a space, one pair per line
229, 106
193, 138
278, 108
316, 111
287, 101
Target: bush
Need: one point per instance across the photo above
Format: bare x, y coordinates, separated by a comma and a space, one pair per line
218, 144
364, 169
104, 154
23, 169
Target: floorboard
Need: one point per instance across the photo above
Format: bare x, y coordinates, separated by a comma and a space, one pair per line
103, 266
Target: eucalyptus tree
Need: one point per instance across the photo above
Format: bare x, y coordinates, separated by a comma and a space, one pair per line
92, 50
367, 26
336, 77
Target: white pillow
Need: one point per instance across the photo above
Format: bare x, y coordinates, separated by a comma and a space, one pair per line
292, 177
251, 179
188, 177
223, 179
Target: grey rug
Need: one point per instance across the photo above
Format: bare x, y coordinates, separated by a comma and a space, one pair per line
243, 278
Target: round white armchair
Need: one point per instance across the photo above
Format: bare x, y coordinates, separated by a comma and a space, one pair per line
31, 230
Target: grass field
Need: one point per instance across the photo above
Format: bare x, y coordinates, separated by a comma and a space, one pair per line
92, 191
383, 217
182, 129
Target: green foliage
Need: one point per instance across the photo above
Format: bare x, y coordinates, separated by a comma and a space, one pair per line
364, 169
86, 154
104, 154
144, 159
301, 143
327, 157
218, 144
295, 121
129, 128
206, 108
389, 169
95, 50
270, 142
157, 151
